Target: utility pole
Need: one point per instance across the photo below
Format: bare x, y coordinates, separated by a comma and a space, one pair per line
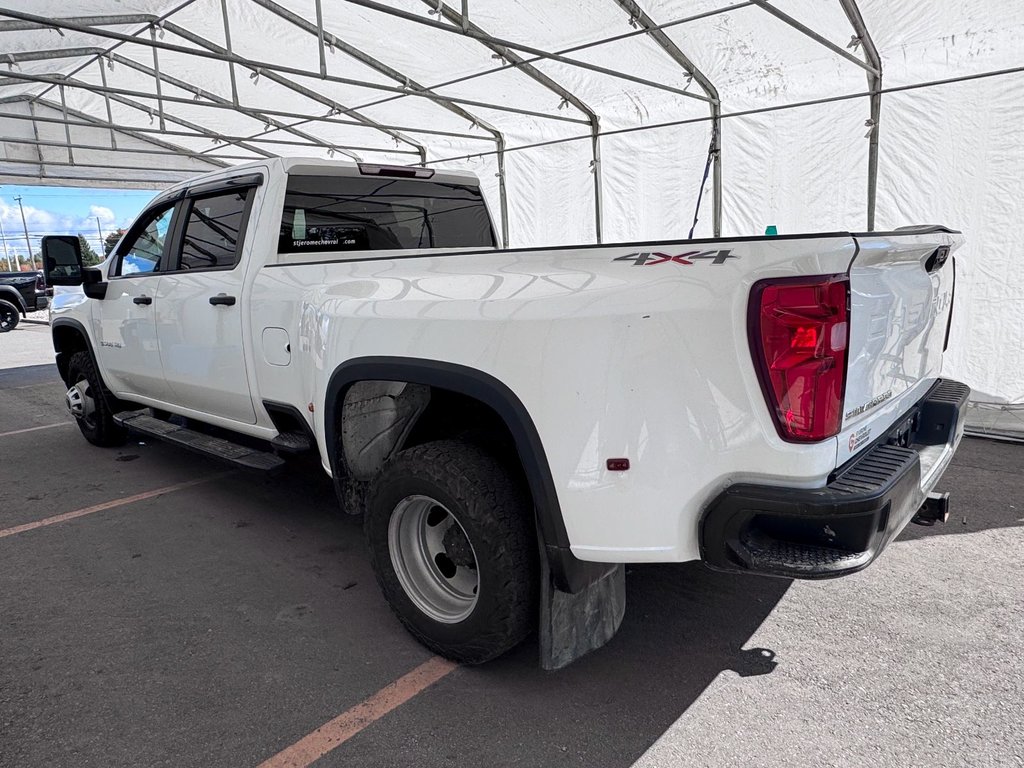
28, 243
7, 254
99, 230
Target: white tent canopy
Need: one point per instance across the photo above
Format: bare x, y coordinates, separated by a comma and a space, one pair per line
586, 121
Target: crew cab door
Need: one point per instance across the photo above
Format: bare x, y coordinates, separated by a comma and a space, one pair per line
199, 314
124, 323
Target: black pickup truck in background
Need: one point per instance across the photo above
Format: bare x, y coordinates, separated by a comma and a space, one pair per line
21, 293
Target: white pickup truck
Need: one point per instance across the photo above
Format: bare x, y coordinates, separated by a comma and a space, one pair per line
516, 424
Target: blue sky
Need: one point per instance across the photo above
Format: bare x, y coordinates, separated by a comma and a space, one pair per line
65, 210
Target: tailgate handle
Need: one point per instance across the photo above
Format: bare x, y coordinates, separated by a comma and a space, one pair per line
937, 259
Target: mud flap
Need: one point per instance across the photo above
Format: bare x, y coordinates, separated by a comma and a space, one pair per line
572, 626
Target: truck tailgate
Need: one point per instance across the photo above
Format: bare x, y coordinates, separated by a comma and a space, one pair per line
901, 293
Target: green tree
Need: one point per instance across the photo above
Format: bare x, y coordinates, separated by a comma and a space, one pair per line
89, 257
111, 240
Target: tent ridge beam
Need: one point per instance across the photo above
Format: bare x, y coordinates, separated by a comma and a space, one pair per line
820, 39
639, 16
454, 17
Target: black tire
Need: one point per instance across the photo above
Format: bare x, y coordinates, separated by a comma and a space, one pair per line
496, 517
99, 427
10, 316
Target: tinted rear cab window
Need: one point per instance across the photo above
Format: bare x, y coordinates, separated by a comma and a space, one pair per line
344, 213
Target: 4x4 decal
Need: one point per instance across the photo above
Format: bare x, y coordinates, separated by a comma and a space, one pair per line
650, 258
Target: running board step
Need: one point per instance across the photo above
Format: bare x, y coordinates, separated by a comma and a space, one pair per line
219, 448
292, 442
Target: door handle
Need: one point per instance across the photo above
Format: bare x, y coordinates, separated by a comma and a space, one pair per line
143, 299
221, 298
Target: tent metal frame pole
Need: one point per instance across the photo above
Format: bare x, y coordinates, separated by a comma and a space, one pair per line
67, 130
400, 77
296, 88
108, 20
220, 101
150, 19
196, 90
758, 110
803, 28
638, 16
227, 47
148, 110
475, 33
129, 150
454, 17
106, 104
265, 66
157, 79
223, 104
96, 123
93, 123
875, 87
65, 164
84, 180
101, 52
180, 152
573, 49
35, 129
320, 37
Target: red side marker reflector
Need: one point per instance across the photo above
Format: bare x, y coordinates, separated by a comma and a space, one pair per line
617, 465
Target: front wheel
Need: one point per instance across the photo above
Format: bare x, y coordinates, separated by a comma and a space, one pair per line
451, 542
85, 402
9, 316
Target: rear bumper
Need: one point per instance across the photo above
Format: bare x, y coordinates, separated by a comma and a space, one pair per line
842, 527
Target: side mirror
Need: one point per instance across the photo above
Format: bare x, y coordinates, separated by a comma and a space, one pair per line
92, 283
62, 260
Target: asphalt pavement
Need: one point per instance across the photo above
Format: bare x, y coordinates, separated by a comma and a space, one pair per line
186, 615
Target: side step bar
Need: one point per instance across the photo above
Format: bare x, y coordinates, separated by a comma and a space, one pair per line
239, 455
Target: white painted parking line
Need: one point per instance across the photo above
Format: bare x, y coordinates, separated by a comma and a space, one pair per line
4, 533
35, 429
336, 732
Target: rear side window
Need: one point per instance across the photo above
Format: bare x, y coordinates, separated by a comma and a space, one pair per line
344, 213
214, 230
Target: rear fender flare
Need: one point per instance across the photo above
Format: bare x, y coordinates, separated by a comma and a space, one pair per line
568, 573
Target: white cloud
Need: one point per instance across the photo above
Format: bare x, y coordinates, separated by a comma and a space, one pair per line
104, 214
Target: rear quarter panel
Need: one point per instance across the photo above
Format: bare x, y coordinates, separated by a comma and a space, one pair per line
613, 354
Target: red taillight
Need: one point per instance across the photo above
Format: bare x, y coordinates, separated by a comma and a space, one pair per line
799, 337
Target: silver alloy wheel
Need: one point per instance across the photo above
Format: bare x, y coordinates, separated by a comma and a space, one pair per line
433, 559
80, 402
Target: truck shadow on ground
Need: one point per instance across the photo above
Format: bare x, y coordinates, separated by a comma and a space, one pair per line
685, 625
985, 487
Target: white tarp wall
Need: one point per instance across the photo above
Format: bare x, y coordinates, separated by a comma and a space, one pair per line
948, 154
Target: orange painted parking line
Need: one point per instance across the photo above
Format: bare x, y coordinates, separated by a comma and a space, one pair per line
336, 732
33, 429
4, 533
